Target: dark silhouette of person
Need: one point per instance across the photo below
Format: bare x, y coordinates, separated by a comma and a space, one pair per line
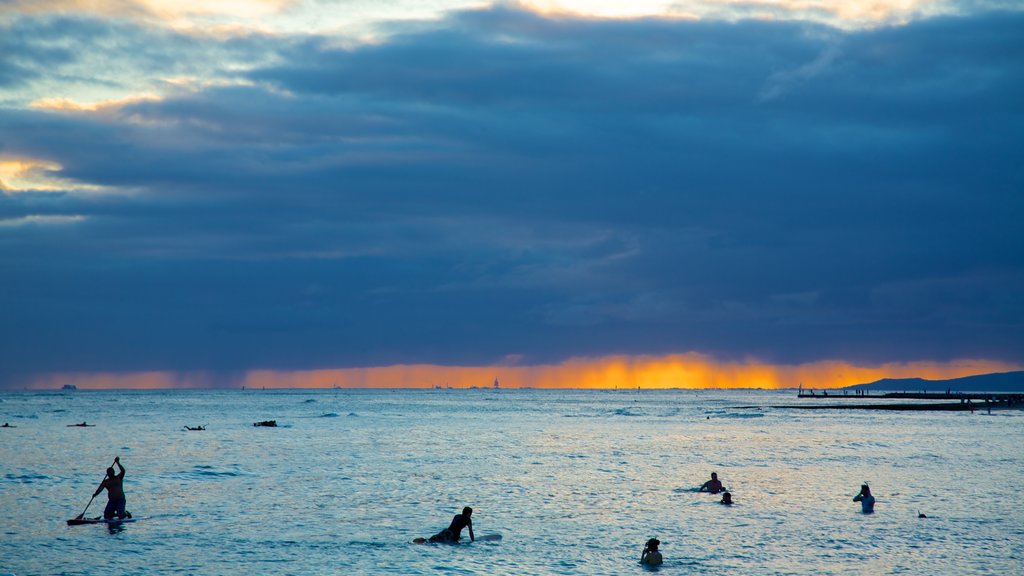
650, 555
114, 485
726, 499
453, 533
713, 486
867, 501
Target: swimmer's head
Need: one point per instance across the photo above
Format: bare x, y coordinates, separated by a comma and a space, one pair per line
467, 511
652, 544
714, 475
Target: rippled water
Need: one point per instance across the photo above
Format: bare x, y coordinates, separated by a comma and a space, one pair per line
575, 481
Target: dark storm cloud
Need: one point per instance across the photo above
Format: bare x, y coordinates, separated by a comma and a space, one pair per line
503, 183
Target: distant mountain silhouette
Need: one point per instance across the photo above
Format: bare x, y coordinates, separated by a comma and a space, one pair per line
999, 382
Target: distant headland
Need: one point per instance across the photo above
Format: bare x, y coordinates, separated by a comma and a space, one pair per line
998, 382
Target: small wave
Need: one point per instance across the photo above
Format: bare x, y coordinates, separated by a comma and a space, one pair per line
353, 414
329, 415
741, 415
363, 543
623, 412
309, 401
26, 478
58, 410
201, 472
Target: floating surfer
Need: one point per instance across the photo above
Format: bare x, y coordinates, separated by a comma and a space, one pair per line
650, 555
453, 532
713, 486
867, 501
267, 423
6, 425
197, 428
81, 425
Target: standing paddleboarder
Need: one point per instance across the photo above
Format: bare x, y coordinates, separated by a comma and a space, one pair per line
114, 485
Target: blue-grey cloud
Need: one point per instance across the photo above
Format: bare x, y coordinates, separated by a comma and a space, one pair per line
502, 183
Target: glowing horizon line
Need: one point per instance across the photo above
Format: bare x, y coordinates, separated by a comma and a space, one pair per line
689, 371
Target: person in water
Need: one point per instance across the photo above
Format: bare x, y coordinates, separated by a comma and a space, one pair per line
114, 485
867, 501
726, 499
650, 555
453, 532
713, 486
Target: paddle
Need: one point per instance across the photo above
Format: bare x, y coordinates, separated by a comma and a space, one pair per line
82, 515
79, 517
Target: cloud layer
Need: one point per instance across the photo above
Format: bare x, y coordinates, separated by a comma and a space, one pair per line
502, 183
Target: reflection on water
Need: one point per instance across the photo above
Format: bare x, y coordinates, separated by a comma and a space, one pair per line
575, 481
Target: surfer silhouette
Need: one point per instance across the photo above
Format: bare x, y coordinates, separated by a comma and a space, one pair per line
650, 555
867, 501
726, 499
713, 486
114, 485
453, 532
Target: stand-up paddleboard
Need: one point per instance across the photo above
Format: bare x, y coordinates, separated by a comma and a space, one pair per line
484, 538
100, 520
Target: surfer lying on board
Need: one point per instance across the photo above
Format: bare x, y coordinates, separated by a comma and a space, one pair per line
714, 486
867, 501
650, 555
114, 485
453, 532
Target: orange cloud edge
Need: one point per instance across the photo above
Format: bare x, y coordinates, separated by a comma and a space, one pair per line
687, 371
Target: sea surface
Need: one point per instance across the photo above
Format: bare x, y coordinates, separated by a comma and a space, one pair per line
575, 481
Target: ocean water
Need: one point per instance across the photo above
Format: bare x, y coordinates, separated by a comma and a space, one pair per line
574, 480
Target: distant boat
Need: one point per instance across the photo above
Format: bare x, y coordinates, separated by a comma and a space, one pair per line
69, 387
496, 385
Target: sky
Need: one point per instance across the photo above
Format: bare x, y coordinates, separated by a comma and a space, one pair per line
700, 193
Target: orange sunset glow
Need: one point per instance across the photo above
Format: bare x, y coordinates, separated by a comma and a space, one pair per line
690, 371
